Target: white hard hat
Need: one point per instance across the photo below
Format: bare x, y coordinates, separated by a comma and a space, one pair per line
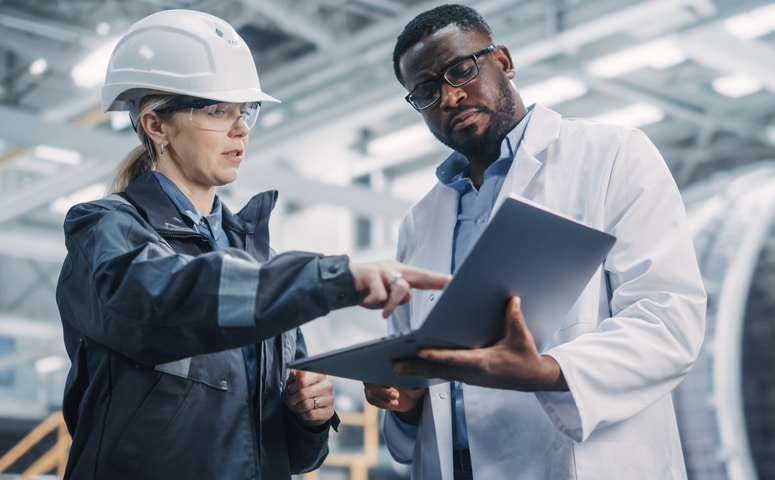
182, 52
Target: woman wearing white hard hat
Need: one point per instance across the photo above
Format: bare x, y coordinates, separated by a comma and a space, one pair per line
178, 317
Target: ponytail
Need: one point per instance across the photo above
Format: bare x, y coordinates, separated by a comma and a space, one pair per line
142, 159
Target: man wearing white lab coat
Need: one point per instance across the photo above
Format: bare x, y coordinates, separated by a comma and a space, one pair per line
596, 404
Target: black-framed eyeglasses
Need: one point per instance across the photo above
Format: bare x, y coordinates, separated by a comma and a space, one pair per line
458, 74
215, 115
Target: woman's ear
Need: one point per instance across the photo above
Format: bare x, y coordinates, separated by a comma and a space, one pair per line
154, 127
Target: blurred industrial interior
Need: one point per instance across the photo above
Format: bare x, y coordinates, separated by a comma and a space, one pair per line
349, 156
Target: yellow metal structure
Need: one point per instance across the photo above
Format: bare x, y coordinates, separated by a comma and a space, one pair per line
54, 459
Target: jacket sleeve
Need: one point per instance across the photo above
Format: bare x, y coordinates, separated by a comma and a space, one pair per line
655, 330
123, 286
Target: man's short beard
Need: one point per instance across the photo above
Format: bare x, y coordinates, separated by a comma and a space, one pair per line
487, 145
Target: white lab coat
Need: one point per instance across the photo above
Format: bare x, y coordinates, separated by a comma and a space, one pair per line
621, 359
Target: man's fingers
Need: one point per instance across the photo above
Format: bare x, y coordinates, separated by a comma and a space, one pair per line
380, 396
424, 368
517, 332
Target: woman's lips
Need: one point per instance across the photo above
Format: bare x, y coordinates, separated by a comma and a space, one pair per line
233, 155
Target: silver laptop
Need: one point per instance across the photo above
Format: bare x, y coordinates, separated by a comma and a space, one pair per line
545, 258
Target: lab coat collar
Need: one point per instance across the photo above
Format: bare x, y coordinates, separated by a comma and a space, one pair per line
542, 131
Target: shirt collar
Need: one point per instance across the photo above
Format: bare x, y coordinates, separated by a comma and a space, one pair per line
453, 171
185, 207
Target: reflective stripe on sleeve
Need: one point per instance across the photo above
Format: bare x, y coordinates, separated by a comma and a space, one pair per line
237, 292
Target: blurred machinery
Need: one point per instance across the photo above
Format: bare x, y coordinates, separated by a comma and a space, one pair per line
725, 405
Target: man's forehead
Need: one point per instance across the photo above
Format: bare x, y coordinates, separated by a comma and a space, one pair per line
439, 48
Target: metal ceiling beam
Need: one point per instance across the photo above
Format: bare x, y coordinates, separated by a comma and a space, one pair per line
369, 49
293, 22
714, 47
624, 20
31, 47
28, 129
41, 246
340, 69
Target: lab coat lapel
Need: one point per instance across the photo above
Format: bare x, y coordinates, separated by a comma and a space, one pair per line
541, 131
436, 238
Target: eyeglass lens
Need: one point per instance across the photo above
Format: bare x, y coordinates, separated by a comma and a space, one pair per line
222, 116
457, 75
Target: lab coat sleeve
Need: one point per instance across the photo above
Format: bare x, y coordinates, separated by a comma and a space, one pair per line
400, 437
653, 336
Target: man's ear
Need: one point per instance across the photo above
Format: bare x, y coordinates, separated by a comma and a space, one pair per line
154, 127
502, 55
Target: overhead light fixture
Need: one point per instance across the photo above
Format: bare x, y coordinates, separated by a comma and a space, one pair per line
53, 363
57, 155
737, 85
92, 192
415, 139
272, 118
554, 90
103, 28
91, 71
657, 54
635, 115
752, 24
38, 66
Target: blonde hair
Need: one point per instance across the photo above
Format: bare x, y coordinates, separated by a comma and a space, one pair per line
142, 159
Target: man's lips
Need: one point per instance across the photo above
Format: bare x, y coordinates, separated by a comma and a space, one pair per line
464, 119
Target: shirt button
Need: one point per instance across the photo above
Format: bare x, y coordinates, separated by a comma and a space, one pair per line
443, 395
432, 297
333, 269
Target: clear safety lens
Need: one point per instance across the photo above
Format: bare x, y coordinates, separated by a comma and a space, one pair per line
222, 117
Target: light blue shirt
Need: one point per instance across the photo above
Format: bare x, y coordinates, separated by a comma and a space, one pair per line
474, 210
208, 225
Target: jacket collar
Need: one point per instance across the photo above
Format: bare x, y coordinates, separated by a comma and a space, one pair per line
248, 229
146, 195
